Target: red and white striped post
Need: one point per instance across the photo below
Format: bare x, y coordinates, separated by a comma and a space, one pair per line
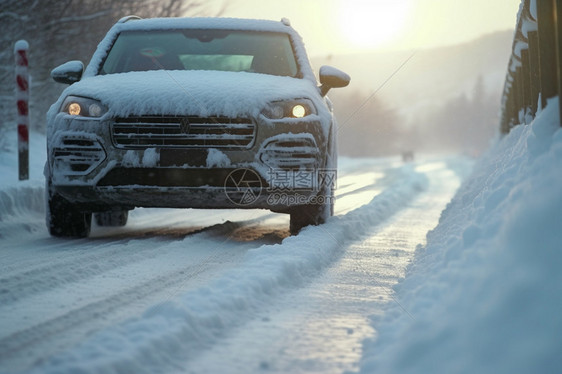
22, 99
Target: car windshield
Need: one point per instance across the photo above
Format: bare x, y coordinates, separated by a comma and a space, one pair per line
222, 50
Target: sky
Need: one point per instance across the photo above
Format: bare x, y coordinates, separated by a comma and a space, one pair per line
331, 27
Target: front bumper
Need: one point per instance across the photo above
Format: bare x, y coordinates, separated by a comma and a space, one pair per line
282, 165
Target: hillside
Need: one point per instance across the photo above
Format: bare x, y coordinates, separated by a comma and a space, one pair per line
430, 75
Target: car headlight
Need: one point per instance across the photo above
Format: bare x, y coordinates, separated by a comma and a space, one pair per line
289, 109
82, 106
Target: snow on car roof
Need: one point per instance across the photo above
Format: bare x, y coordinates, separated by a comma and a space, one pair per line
204, 23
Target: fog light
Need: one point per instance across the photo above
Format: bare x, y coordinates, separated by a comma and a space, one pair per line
277, 112
95, 110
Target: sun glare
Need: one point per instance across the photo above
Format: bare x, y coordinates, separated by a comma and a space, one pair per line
372, 23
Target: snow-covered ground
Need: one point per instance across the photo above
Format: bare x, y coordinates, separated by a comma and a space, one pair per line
186, 291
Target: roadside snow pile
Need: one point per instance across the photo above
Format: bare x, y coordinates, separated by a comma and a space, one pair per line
22, 202
484, 295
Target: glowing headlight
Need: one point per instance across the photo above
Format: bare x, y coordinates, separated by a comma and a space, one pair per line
289, 109
74, 109
299, 111
82, 106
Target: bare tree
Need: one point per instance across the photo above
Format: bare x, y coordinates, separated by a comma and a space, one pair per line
62, 30
462, 123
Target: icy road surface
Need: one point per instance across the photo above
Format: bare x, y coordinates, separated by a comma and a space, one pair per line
184, 291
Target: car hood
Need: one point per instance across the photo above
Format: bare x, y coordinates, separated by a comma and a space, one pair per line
201, 93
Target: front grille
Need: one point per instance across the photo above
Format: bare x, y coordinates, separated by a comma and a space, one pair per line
78, 155
156, 131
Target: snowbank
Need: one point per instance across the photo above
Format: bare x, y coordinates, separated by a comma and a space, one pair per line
485, 294
19, 200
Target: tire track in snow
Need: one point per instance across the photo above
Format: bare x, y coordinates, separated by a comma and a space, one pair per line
84, 259
44, 336
108, 242
76, 263
12, 344
73, 268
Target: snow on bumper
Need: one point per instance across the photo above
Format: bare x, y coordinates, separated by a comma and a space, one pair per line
278, 165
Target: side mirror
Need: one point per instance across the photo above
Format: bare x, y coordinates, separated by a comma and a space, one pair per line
331, 77
68, 73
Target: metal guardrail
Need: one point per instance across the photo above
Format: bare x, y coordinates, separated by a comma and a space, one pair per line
534, 72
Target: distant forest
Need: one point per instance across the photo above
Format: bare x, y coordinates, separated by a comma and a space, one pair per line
444, 99
373, 127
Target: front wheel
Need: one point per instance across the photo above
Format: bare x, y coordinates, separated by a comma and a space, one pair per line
64, 219
323, 207
312, 214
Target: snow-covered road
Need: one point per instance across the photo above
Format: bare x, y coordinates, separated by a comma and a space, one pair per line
215, 291
320, 328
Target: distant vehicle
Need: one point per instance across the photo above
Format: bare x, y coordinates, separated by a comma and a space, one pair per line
408, 156
191, 113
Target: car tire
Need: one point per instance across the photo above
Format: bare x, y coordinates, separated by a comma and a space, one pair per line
317, 214
312, 214
112, 218
65, 220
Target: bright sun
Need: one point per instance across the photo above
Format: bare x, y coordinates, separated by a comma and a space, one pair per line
372, 23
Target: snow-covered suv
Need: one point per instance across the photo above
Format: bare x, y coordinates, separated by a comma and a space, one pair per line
191, 113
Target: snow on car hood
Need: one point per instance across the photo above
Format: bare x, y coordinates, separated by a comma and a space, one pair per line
201, 93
